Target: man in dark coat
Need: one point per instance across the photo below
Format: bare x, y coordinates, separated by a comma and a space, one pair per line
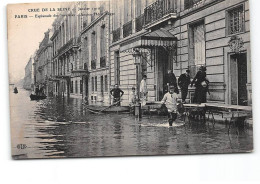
172, 81
201, 84
184, 82
117, 93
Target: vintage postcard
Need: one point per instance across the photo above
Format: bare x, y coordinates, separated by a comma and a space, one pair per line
129, 77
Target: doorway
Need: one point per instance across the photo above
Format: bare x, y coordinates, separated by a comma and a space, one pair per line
163, 66
238, 74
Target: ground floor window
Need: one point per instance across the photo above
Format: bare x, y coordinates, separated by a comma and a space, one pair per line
76, 86
81, 87
92, 84
106, 84
197, 46
96, 83
71, 87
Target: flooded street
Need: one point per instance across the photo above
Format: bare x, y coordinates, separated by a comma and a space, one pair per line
56, 127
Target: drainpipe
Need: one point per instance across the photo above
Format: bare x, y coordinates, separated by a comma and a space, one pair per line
109, 54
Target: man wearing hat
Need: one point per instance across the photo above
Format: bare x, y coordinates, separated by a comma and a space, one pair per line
184, 82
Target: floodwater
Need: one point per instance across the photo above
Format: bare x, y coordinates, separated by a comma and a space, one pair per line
57, 128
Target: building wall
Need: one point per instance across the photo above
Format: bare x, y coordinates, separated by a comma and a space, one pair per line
28, 80
217, 48
214, 15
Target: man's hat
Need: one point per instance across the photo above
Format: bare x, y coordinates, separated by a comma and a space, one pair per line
188, 71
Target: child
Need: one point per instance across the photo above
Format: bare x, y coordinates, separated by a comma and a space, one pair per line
132, 100
170, 100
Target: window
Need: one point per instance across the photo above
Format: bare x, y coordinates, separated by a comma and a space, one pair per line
197, 46
81, 87
93, 50
102, 84
102, 41
117, 68
236, 20
190, 3
92, 83
106, 84
71, 87
76, 86
96, 83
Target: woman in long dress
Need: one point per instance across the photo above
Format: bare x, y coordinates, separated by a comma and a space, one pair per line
201, 84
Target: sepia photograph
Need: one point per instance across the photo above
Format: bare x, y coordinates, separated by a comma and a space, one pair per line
129, 78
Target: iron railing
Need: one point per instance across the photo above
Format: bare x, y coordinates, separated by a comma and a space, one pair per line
103, 62
116, 34
159, 9
127, 29
139, 23
190, 3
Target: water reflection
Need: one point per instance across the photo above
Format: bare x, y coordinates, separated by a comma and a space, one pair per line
57, 127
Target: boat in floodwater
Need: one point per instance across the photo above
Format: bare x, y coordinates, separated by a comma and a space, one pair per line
37, 97
15, 90
107, 109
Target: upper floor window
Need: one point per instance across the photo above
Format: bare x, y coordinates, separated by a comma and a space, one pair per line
236, 21
190, 3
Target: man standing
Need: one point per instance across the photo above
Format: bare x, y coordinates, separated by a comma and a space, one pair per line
143, 90
117, 93
172, 81
184, 82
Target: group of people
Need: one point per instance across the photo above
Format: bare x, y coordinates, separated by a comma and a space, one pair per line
170, 97
39, 90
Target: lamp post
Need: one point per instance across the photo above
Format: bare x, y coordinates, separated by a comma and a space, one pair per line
137, 62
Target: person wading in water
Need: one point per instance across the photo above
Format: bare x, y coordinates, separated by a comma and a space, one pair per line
117, 93
170, 101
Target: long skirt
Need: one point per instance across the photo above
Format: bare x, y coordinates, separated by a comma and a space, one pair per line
200, 95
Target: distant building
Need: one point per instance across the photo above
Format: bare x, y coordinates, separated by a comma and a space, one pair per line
28, 78
42, 61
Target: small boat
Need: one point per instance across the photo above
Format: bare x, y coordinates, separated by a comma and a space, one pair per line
37, 97
15, 90
107, 109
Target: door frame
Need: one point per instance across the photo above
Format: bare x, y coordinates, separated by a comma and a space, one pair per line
229, 70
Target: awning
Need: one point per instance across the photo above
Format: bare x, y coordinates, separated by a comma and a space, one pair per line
158, 38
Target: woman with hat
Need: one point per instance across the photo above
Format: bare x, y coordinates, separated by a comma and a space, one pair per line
201, 84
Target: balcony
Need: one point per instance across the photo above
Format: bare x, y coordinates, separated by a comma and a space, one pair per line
190, 3
82, 70
127, 29
159, 11
116, 34
93, 64
103, 62
73, 42
139, 23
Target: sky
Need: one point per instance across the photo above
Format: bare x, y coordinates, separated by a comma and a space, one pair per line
25, 34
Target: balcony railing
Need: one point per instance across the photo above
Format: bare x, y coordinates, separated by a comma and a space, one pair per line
127, 29
72, 42
159, 9
93, 64
103, 62
139, 23
190, 3
116, 34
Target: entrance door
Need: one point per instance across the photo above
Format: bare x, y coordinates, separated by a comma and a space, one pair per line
163, 64
238, 72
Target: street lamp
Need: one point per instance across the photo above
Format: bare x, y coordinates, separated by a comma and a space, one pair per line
137, 62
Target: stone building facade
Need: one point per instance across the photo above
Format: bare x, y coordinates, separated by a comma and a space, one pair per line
152, 36
42, 64
119, 41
